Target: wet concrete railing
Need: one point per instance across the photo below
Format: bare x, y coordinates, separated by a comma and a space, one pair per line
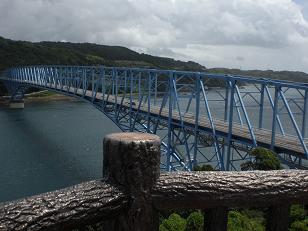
133, 191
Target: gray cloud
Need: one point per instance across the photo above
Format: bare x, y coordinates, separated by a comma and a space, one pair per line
240, 58
265, 33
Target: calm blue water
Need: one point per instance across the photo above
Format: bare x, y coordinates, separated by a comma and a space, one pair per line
50, 145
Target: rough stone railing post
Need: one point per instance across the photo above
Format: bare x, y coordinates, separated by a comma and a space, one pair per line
131, 161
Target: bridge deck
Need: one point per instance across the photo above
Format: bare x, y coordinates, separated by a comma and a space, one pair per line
288, 144
283, 144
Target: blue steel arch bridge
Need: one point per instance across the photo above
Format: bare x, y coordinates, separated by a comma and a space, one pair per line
198, 124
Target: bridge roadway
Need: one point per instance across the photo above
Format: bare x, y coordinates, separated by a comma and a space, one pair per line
287, 144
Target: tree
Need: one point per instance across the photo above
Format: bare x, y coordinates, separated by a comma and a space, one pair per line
204, 167
264, 160
240, 222
299, 225
297, 213
174, 223
195, 222
298, 218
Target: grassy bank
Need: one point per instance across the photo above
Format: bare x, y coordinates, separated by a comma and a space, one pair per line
41, 96
46, 96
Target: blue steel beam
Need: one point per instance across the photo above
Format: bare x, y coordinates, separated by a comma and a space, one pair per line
261, 106
128, 97
273, 107
276, 100
298, 132
230, 121
170, 103
216, 144
197, 112
253, 138
305, 114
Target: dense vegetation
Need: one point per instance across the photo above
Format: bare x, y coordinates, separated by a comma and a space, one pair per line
20, 53
295, 76
17, 53
238, 219
264, 159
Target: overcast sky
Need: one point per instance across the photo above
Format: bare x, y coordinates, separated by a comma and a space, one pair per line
246, 34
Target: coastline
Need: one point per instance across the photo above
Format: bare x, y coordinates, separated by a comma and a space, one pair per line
39, 97
53, 97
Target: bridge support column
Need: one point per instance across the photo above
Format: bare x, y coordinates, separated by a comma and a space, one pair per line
132, 161
17, 104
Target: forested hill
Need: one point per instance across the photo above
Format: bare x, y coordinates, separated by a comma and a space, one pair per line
295, 76
16, 53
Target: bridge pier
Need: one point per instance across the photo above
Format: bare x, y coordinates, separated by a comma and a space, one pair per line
17, 104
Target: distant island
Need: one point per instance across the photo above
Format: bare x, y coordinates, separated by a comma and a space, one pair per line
22, 53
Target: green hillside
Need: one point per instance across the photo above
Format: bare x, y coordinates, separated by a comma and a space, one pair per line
295, 76
16, 53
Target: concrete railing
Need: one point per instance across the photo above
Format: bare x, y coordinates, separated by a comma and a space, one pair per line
133, 191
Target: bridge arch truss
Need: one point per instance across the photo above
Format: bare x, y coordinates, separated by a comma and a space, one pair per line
202, 118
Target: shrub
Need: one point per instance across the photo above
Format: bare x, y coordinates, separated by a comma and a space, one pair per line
264, 160
205, 167
297, 213
299, 225
195, 222
174, 223
240, 222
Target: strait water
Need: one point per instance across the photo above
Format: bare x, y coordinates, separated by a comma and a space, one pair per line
50, 145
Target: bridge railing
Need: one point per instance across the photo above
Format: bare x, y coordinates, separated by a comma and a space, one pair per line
187, 108
133, 191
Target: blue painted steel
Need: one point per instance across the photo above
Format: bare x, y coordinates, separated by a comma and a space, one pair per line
305, 114
253, 138
197, 112
190, 164
294, 122
261, 106
276, 100
169, 149
273, 106
216, 144
226, 101
177, 106
230, 120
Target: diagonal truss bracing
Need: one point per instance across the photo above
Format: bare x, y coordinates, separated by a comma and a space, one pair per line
202, 118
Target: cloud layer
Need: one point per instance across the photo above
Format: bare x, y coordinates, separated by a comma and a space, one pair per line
250, 34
